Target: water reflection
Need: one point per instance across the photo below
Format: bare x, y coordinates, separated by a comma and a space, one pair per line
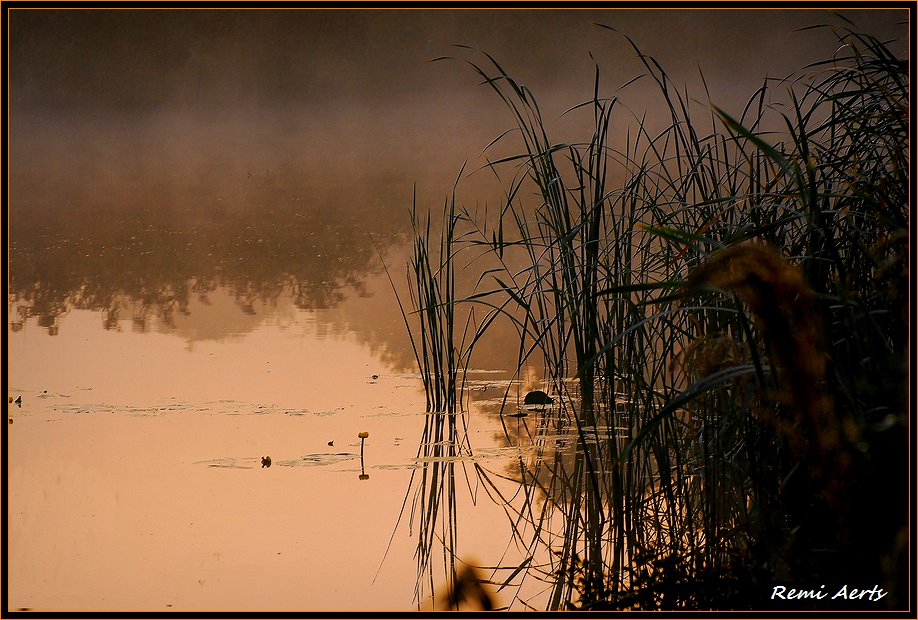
187, 428
151, 264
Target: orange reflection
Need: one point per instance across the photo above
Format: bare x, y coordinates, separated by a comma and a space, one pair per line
135, 470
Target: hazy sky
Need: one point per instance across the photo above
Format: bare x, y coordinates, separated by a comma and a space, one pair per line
155, 98
139, 60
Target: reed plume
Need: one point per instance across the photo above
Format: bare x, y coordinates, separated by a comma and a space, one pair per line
787, 312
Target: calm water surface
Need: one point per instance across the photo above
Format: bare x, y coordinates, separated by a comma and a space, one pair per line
135, 476
158, 361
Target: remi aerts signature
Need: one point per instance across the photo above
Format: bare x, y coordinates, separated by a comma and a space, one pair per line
845, 592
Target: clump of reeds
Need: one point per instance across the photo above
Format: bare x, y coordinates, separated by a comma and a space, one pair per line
722, 474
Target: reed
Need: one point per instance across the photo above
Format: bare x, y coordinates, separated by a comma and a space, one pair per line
430, 318
732, 308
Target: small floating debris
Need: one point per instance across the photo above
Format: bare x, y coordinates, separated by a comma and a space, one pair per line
18, 401
318, 460
538, 397
328, 412
229, 463
374, 377
331, 443
266, 461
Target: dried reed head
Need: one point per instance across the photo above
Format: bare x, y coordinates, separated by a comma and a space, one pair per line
786, 311
467, 591
711, 353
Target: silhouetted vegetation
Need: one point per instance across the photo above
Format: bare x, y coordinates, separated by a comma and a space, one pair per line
730, 297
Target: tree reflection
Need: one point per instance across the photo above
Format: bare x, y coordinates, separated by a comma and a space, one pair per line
147, 264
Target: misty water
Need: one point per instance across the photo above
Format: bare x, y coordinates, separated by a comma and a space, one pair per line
158, 362
163, 343
198, 226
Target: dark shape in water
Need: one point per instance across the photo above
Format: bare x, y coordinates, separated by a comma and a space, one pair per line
18, 401
266, 461
468, 589
538, 397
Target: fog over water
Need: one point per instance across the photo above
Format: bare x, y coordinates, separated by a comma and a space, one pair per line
203, 117
148, 103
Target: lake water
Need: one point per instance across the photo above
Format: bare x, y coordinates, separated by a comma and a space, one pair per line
200, 209
135, 474
158, 360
